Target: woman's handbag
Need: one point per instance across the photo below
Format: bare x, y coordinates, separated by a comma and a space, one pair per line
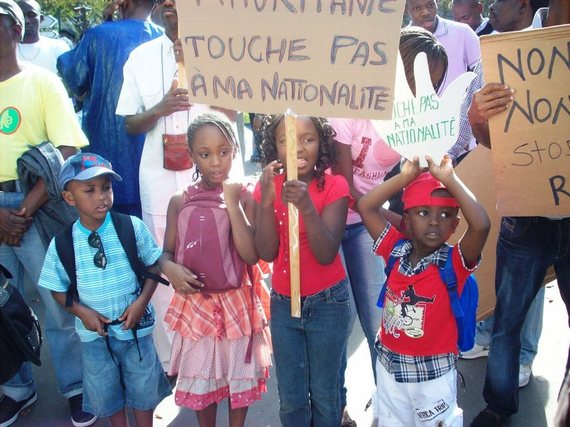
176, 152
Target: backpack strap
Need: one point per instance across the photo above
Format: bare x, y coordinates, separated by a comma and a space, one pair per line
66, 254
389, 267
126, 233
448, 277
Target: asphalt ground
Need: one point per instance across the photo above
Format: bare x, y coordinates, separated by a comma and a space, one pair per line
537, 400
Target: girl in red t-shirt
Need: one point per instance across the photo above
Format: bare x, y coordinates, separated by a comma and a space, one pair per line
308, 349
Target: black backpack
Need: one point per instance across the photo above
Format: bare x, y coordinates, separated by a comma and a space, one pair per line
20, 331
126, 233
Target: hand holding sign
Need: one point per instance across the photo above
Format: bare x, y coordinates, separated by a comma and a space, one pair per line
424, 124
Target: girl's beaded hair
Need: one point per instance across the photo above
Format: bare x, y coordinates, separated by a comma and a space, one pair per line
326, 157
212, 118
414, 40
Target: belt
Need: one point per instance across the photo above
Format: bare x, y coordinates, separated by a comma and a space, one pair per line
8, 186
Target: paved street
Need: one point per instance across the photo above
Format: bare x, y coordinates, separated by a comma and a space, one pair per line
537, 400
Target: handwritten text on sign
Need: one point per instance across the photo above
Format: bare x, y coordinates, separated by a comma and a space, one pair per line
423, 124
322, 58
531, 140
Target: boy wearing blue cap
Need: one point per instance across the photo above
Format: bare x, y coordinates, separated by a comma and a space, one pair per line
417, 342
122, 369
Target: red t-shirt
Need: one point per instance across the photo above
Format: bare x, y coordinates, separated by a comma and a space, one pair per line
315, 277
417, 319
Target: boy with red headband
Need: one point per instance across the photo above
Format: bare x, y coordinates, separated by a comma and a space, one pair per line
417, 341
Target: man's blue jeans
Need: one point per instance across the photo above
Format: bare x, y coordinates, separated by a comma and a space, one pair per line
530, 333
59, 325
526, 247
307, 352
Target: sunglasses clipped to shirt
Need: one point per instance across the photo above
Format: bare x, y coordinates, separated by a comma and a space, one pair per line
100, 259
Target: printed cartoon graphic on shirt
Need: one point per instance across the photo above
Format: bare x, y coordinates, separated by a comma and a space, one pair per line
405, 312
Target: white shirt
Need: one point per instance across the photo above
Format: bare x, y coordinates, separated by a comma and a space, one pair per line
539, 17
43, 53
482, 25
461, 45
148, 76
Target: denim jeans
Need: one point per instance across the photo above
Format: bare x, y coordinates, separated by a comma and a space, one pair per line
132, 377
59, 324
526, 247
530, 333
307, 352
366, 276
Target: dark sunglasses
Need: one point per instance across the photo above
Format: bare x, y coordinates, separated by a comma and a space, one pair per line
100, 260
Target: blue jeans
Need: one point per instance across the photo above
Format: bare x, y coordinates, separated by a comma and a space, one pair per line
59, 325
530, 333
526, 247
136, 380
307, 352
366, 275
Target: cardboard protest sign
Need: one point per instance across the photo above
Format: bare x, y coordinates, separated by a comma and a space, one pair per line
320, 58
424, 124
476, 172
531, 139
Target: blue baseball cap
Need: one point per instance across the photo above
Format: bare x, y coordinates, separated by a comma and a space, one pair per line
85, 166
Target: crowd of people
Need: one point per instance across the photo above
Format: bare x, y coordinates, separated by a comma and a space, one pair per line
144, 170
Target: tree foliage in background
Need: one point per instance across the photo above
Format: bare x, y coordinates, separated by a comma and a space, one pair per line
65, 7
64, 11
81, 19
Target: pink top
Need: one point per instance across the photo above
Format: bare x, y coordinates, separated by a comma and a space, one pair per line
372, 158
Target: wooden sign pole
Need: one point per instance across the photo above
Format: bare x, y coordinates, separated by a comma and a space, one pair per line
293, 214
178, 56
182, 82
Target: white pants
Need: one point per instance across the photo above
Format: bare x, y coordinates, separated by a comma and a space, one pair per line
161, 297
424, 404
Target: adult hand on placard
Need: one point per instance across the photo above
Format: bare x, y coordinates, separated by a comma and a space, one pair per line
424, 124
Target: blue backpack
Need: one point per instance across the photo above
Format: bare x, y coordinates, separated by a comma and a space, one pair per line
464, 308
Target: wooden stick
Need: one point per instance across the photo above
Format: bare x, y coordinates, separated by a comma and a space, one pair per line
293, 214
181, 126
182, 82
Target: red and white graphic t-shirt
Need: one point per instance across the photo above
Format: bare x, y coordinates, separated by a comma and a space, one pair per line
417, 319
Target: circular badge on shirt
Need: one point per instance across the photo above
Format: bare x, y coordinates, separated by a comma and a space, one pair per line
10, 120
